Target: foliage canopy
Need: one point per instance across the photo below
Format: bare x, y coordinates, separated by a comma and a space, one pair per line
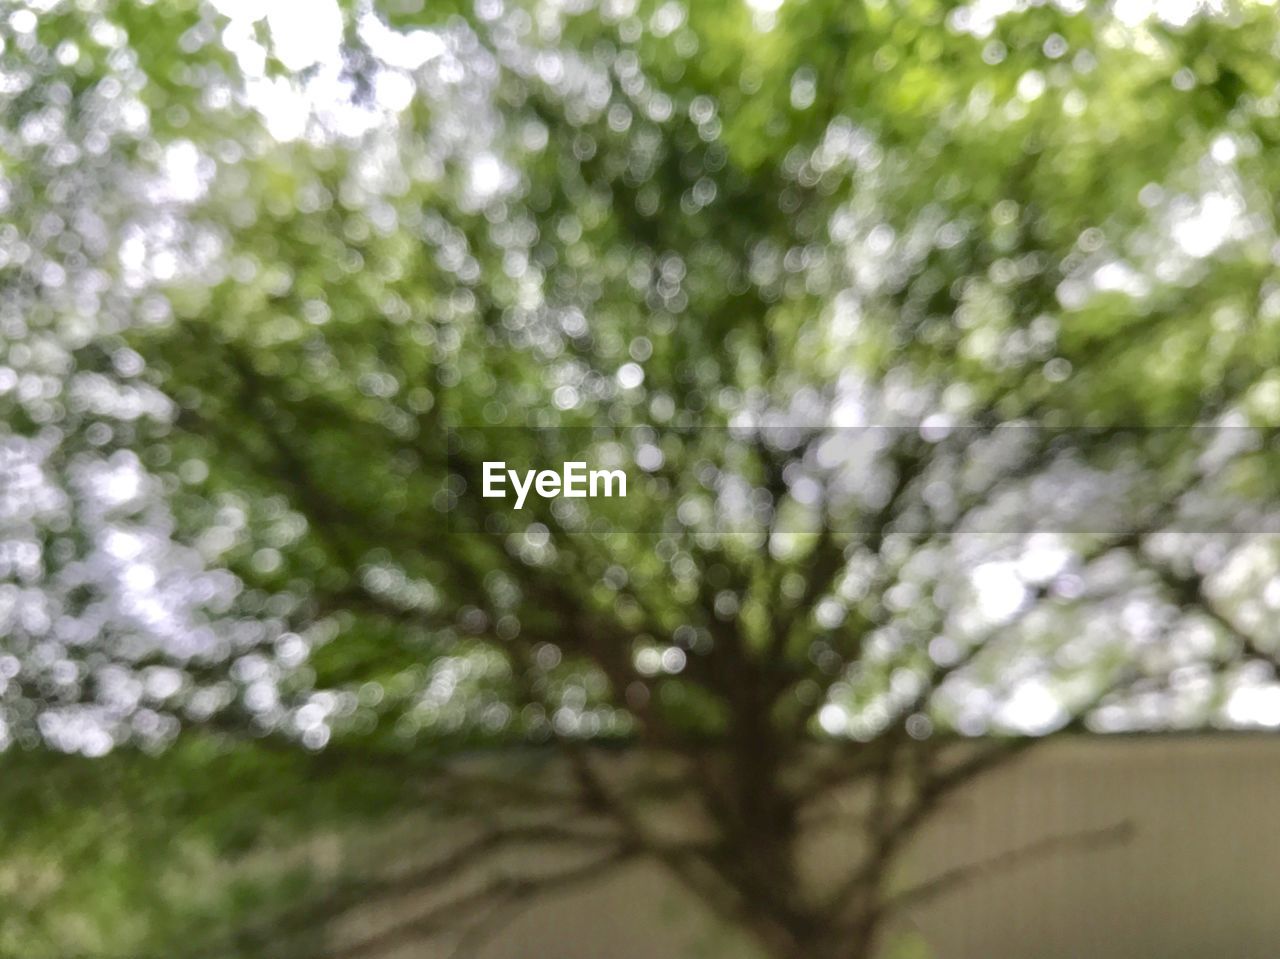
271, 286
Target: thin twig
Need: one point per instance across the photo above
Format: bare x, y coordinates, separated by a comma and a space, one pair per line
500, 892
952, 879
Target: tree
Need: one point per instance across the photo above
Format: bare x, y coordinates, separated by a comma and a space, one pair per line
937, 345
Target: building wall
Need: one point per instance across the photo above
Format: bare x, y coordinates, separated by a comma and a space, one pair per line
1199, 878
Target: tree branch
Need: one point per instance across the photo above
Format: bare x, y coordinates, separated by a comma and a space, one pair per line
441, 872
496, 896
952, 879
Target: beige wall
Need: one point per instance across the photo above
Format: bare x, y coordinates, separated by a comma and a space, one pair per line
1199, 878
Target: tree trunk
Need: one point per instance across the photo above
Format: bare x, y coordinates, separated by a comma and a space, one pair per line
784, 932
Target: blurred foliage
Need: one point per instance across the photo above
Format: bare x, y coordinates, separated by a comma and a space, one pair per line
154, 853
255, 268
